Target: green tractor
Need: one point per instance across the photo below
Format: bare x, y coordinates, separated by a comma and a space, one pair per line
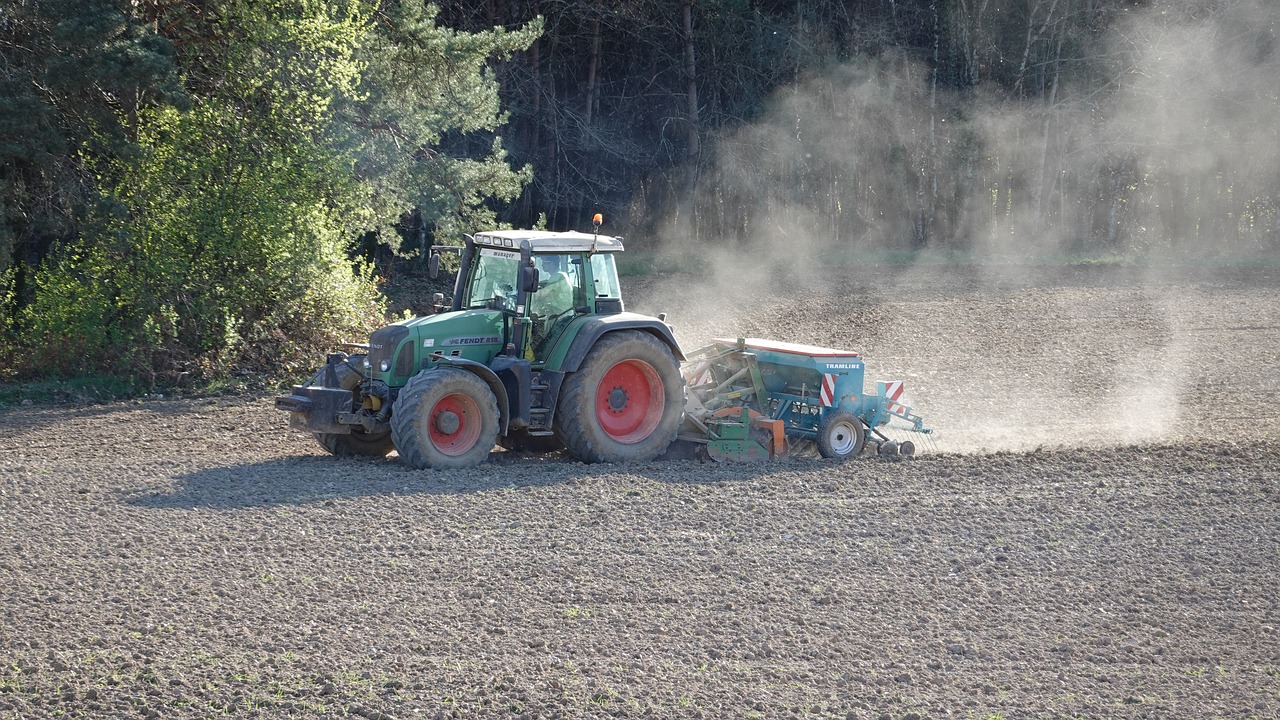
535, 353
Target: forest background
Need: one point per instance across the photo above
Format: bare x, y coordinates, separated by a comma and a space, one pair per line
195, 188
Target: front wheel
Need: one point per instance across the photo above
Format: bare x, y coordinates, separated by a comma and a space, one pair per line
841, 435
444, 418
624, 403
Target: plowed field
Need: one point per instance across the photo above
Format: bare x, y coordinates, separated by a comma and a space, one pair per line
1096, 535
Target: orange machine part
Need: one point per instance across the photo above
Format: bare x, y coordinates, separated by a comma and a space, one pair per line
776, 428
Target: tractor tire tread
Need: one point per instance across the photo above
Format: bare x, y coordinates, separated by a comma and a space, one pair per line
408, 436
577, 426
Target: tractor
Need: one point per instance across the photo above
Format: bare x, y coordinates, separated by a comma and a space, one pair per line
535, 352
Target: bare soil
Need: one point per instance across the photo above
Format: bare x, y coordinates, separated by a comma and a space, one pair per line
1097, 535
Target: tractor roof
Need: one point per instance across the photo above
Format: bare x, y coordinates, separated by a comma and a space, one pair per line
545, 241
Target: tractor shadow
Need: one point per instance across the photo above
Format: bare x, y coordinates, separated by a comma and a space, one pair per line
318, 479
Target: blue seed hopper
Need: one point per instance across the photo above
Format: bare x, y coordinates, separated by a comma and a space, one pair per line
753, 399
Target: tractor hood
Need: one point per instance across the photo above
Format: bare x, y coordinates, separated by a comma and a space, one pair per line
397, 352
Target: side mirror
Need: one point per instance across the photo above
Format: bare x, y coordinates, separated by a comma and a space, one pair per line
433, 265
529, 279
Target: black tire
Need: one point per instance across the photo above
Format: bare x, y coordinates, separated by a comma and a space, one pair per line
356, 443
522, 441
841, 435
624, 404
444, 418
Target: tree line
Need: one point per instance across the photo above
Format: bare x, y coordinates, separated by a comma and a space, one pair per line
191, 186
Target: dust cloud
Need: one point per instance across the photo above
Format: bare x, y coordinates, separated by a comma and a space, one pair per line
1065, 232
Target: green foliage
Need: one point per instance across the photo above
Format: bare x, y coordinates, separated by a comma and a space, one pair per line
74, 317
427, 89
72, 76
8, 305
228, 231
218, 242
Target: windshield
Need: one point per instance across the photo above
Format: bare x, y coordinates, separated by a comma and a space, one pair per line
494, 277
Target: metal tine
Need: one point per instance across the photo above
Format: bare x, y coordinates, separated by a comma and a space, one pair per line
697, 370
932, 442
730, 380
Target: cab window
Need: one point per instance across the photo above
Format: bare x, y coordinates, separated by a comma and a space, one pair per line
559, 285
605, 276
494, 279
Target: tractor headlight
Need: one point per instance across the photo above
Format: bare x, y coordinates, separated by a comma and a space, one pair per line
384, 366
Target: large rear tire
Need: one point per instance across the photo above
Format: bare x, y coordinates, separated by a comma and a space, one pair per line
357, 442
841, 435
444, 418
624, 403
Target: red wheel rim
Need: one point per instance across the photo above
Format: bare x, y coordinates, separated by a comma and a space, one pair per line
467, 414
630, 401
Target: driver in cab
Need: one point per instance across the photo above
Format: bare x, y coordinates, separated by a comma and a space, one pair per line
553, 298
555, 290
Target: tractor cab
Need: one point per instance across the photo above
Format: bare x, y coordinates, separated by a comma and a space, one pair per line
539, 282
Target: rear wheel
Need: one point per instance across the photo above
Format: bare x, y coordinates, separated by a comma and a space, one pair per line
356, 442
841, 435
624, 403
444, 418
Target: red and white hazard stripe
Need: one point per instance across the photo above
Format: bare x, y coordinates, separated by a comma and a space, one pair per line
892, 390
828, 395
